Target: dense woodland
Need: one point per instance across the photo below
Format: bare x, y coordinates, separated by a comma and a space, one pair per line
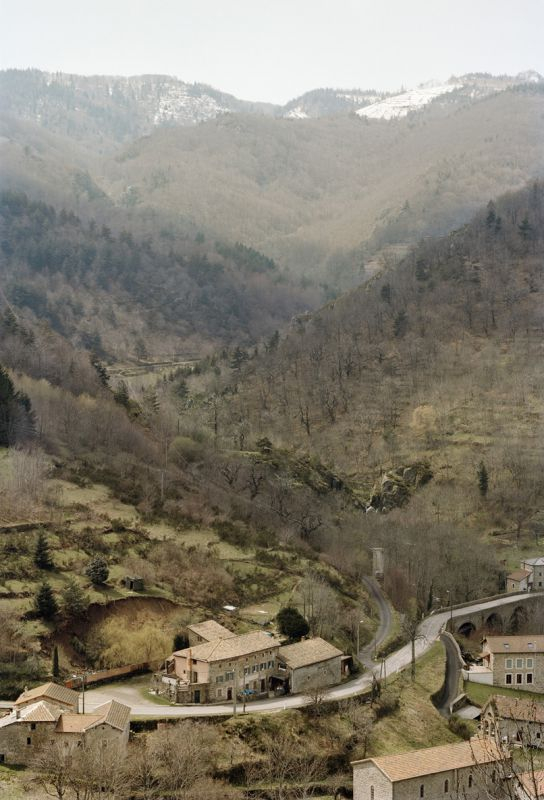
115, 294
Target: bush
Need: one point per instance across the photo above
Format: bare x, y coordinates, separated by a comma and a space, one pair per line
97, 570
460, 727
388, 703
291, 623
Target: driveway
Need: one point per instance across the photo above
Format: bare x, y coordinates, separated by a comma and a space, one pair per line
429, 630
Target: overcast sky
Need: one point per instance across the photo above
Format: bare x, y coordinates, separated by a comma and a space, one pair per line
275, 50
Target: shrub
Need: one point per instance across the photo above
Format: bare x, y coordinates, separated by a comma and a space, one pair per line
291, 623
97, 570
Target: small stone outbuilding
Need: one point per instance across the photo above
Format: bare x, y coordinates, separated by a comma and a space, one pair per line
310, 664
514, 720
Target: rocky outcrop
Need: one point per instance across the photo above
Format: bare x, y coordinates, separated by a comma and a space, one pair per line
395, 486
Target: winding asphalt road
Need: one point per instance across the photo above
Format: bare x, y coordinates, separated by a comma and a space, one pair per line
429, 631
374, 589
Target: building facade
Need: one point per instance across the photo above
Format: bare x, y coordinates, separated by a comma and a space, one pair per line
513, 720
309, 665
535, 566
515, 661
453, 770
31, 726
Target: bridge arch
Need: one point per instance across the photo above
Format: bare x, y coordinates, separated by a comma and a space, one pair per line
466, 629
518, 619
494, 623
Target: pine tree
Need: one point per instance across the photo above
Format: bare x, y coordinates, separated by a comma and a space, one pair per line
483, 479
42, 555
97, 570
121, 395
74, 600
55, 670
45, 603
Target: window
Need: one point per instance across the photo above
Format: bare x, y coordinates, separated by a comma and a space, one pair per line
422, 791
371, 790
446, 786
28, 740
508, 663
32, 726
519, 663
529, 663
508, 679
2, 758
519, 677
229, 676
470, 781
529, 677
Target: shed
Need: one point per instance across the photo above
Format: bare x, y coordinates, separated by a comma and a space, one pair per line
312, 663
134, 583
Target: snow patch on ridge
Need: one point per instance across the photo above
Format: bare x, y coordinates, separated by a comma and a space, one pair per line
400, 105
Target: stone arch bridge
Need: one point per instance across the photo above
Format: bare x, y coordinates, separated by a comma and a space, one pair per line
501, 614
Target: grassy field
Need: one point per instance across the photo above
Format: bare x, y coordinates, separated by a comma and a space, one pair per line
479, 693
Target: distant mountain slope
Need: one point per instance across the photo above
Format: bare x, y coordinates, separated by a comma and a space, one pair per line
121, 296
438, 360
323, 196
309, 192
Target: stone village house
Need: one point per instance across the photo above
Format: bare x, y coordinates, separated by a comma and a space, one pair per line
49, 714
435, 773
535, 566
219, 664
515, 661
513, 720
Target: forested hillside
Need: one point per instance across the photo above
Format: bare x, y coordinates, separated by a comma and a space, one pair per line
119, 296
324, 197
431, 374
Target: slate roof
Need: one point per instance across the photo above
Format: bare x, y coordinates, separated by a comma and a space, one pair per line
517, 708
534, 562
310, 651
433, 760
49, 691
210, 630
234, 647
515, 644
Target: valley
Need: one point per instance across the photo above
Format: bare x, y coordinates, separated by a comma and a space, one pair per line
271, 404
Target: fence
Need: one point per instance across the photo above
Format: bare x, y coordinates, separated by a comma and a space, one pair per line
103, 675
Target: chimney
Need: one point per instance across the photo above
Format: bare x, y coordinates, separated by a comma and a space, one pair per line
17, 713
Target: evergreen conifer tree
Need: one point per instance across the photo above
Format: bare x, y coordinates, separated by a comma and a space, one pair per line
97, 570
55, 670
483, 479
45, 603
42, 554
74, 600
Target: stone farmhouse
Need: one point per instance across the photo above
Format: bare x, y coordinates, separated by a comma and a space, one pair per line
219, 666
518, 580
515, 661
535, 566
213, 671
436, 773
49, 714
513, 720
207, 631
310, 664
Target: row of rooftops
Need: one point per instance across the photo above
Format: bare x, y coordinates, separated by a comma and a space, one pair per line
224, 645
48, 702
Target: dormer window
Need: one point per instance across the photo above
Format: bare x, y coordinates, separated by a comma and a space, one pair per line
506, 645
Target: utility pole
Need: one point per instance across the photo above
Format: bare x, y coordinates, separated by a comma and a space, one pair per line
235, 692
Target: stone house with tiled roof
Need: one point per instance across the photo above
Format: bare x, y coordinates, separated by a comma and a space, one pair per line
310, 663
207, 631
513, 720
536, 567
213, 671
518, 580
515, 661
33, 725
61, 696
435, 773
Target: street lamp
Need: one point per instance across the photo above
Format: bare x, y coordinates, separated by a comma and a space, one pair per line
450, 602
358, 635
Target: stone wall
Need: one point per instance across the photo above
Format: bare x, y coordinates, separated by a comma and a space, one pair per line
325, 673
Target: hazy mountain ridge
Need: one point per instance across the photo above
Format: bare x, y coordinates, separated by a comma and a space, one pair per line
115, 108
